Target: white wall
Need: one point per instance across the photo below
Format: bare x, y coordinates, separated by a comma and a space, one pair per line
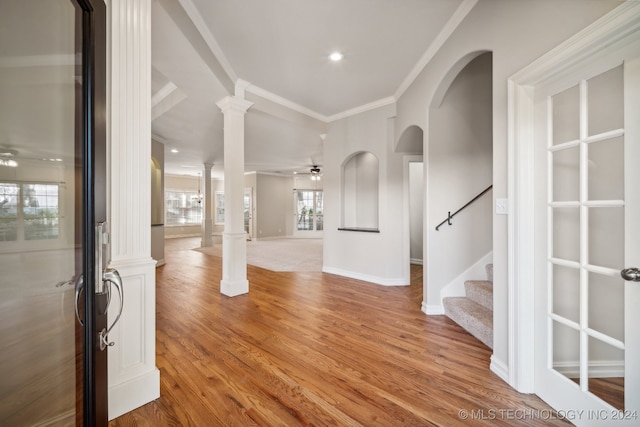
516, 32
459, 159
376, 257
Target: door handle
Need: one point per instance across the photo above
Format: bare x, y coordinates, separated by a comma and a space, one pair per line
110, 276
631, 274
79, 289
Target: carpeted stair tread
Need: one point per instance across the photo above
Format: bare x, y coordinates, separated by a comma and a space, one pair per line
480, 291
473, 317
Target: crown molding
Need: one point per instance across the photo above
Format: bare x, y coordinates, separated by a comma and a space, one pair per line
270, 96
165, 91
200, 25
451, 25
461, 12
159, 139
620, 24
363, 108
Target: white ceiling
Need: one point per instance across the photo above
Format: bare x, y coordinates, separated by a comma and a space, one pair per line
279, 49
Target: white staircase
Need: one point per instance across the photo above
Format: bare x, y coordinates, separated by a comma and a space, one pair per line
474, 312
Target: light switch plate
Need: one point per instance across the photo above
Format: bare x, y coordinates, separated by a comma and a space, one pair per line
502, 206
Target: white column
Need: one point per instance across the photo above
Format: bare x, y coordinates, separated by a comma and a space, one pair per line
132, 374
207, 220
234, 241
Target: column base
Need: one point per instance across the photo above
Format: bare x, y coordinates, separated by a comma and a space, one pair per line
233, 288
234, 264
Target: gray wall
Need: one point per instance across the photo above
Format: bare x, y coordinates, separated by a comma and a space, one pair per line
460, 157
273, 195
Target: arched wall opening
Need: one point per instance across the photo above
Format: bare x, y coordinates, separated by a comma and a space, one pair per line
410, 146
459, 166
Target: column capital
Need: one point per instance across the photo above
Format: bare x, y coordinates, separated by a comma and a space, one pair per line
234, 103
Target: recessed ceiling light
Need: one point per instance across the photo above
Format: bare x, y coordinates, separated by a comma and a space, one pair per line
173, 150
336, 56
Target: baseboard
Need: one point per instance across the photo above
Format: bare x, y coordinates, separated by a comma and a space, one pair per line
597, 369
233, 288
455, 288
416, 261
160, 262
499, 368
432, 309
179, 236
365, 277
132, 394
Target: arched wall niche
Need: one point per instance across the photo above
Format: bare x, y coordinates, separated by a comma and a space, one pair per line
360, 183
411, 141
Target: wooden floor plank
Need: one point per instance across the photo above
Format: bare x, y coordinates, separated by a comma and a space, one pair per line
307, 348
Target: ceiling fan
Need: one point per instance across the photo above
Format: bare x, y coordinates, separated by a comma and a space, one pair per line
314, 171
7, 157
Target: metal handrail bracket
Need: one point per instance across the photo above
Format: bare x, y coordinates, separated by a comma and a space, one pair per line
450, 216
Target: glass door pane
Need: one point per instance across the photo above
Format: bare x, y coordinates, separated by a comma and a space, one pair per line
319, 209
40, 254
305, 208
586, 219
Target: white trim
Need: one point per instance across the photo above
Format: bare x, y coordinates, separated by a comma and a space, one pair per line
432, 309
134, 393
499, 368
444, 34
133, 378
608, 30
365, 277
416, 261
285, 102
362, 108
161, 94
607, 36
451, 25
597, 369
477, 271
202, 28
520, 239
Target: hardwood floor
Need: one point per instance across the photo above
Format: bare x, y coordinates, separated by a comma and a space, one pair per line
315, 349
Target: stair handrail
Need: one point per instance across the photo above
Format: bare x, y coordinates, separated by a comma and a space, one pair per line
449, 216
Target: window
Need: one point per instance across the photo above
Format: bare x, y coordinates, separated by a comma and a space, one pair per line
183, 208
219, 207
29, 211
309, 210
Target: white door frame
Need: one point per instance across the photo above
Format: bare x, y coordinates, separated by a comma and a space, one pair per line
613, 36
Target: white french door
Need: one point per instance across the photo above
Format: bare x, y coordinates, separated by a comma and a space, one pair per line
587, 152
309, 211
